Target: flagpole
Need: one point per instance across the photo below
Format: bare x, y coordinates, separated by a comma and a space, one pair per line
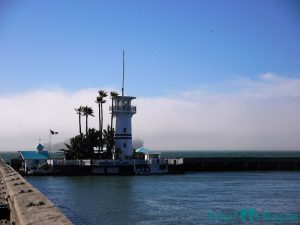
49, 141
123, 75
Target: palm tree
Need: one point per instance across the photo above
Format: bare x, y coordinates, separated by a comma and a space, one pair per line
100, 100
87, 111
79, 111
113, 94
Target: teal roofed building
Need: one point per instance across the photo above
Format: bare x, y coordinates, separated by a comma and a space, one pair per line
148, 154
40, 147
143, 150
34, 161
26, 155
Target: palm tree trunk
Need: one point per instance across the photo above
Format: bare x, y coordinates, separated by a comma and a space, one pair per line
86, 124
101, 128
99, 108
80, 125
112, 113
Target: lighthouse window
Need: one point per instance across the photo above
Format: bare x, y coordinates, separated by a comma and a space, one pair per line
125, 105
124, 130
124, 145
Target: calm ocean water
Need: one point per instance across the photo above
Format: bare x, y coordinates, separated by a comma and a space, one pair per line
172, 199
189, 199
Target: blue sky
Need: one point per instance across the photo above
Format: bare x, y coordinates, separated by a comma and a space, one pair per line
208, 75
170, 45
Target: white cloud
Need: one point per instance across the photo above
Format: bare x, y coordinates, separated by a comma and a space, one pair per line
248, 114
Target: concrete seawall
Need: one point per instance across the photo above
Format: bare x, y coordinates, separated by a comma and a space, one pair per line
27, 205
241, 163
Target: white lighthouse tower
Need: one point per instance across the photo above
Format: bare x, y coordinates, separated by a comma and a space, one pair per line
123, 111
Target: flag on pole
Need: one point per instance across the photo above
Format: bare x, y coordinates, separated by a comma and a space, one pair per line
53, 132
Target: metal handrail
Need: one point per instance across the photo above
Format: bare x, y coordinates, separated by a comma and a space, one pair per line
123, 108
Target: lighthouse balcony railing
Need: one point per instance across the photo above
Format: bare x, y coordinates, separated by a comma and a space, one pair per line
116, 108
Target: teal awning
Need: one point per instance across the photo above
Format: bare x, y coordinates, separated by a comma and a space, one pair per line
143, 150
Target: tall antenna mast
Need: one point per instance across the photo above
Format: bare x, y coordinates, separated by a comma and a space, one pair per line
123, 76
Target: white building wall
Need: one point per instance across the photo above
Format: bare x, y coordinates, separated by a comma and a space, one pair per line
123, 134
123, 121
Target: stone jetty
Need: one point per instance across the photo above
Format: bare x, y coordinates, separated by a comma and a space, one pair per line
22, 204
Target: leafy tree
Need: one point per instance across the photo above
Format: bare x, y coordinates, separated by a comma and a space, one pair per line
76, 148
82, 147
108, 136
93, 139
